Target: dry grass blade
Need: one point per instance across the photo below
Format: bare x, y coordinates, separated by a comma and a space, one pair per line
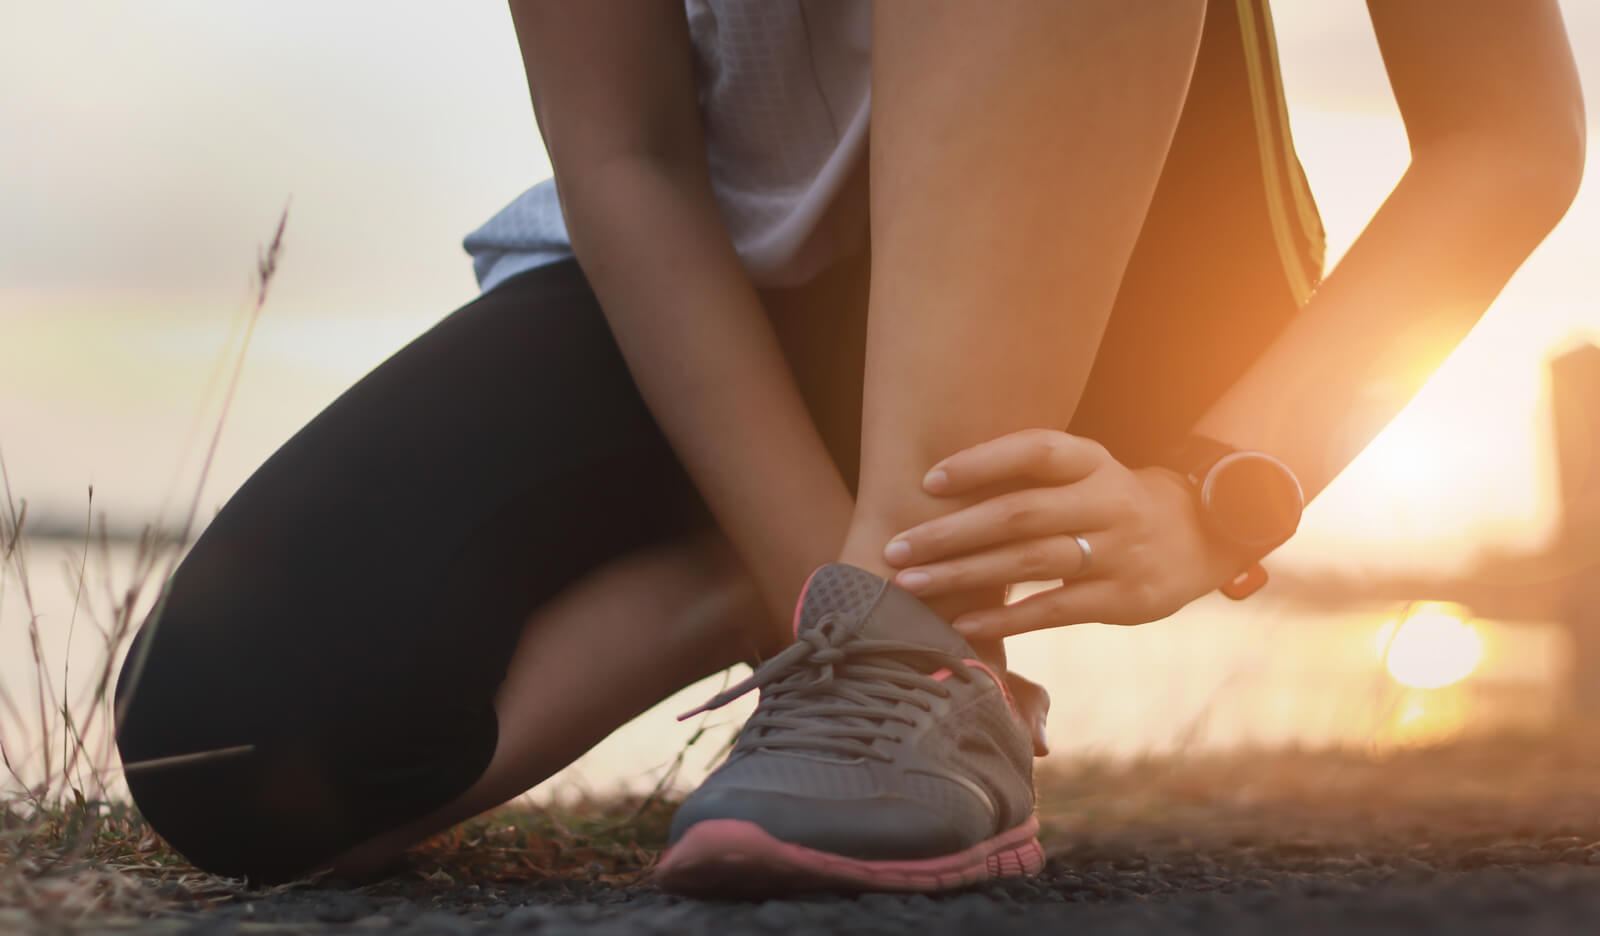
183, 760
72, 739
16, 563
266, 270
10, 536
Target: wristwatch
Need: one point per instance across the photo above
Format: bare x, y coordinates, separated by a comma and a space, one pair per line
1250, 502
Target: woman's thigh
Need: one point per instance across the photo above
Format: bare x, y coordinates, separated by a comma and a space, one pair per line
326, 662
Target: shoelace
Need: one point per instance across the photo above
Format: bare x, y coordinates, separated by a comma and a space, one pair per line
833, 692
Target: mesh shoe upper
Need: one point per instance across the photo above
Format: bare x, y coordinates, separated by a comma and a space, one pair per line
878, 734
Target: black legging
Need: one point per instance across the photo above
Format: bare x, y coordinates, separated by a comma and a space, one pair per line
351, 612
349, 615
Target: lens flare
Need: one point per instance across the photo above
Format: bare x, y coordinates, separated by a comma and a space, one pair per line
1433, 646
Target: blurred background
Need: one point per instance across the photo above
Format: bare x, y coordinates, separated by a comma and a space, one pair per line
1443, 585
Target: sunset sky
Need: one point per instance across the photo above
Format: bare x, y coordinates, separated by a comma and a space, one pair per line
147, 149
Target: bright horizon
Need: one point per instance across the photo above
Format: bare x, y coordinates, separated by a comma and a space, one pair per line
151, 148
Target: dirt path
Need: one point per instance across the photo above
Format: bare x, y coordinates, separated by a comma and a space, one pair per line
1491, 838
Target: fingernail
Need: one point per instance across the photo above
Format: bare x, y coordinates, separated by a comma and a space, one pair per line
967, 627
897, 551
935, 480
913, 581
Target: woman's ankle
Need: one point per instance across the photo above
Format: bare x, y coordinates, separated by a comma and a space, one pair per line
863, 549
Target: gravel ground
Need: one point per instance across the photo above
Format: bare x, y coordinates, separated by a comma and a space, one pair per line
1502, 892
1501, 838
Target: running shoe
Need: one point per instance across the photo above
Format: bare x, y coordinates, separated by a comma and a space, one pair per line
883, 756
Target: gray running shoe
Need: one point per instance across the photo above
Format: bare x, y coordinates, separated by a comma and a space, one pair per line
884, 755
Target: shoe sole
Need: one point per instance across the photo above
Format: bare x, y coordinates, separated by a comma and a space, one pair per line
727, 857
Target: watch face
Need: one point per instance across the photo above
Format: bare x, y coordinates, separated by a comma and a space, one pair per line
1252, 499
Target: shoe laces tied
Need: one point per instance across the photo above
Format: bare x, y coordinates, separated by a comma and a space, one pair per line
836, 692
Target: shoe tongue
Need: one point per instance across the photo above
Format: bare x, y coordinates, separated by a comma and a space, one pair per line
874, 607
841, 592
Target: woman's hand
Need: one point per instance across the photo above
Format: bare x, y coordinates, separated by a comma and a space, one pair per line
1149, 554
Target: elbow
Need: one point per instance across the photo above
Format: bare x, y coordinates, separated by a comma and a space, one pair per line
1557, 158
1544, 153
595, 188
1524, 178
1554, 152
611, 200
1539, 177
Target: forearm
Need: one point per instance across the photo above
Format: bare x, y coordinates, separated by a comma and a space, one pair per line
1413, 284
706, 361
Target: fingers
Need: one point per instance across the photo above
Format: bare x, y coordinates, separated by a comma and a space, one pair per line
1041, 559
1040, 455
1031, 513
1102, 601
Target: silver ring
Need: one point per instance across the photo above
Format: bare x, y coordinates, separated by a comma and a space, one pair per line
1088, 557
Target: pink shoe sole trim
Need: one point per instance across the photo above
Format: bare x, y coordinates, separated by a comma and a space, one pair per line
732, 856
794, 625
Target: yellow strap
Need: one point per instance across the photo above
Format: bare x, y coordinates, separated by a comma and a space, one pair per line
1304, 204
1278, 161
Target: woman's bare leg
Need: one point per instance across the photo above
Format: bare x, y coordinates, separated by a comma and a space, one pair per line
1015, 150
609, 647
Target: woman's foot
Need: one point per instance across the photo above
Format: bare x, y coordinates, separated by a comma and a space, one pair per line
884, 755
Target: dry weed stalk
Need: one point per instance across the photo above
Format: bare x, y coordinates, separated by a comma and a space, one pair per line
66, 841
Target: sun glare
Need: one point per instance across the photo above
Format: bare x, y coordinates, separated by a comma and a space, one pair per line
1422, 719
1433, 646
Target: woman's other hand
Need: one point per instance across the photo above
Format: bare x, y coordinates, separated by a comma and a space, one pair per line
1149, 555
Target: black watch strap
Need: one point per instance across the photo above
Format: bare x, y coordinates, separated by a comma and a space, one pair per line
1195, 455
1193, 460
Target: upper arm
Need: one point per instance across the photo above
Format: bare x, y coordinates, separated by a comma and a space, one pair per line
1491, 72
610, 79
